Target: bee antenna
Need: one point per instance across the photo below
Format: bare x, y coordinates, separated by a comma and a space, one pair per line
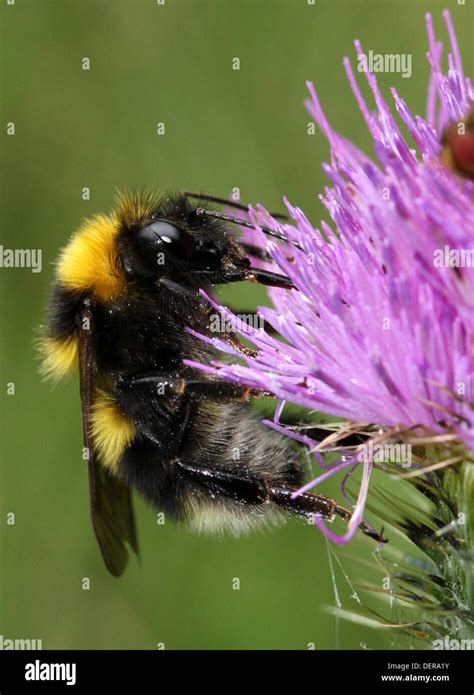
229, 203
244, 223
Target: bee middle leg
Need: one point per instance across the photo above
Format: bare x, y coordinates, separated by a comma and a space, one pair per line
173, 384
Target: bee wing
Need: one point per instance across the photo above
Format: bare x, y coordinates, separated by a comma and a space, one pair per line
112, 517
111, 502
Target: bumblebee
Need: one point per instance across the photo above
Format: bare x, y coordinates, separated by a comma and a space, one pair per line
125, 294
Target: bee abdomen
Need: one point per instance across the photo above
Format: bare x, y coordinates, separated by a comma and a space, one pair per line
221, 477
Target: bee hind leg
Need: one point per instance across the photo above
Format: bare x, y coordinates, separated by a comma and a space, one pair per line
255, 491
220, 482
306, 504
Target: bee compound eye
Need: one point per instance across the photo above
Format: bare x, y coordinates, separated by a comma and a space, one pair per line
168, 237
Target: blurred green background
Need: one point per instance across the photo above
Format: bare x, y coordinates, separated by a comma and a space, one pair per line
170, 63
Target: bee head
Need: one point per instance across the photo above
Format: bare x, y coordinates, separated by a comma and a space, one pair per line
172, 240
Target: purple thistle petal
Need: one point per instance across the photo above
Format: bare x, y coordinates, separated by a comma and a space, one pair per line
356, 518
334, 469
278, 411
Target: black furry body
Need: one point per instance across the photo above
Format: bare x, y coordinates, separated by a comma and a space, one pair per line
143, 335
138, 342
199, 431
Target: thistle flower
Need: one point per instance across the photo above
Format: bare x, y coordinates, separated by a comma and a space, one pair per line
380, 330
